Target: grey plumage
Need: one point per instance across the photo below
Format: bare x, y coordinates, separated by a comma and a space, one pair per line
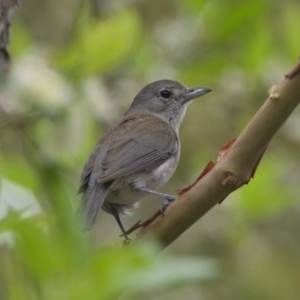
141, 151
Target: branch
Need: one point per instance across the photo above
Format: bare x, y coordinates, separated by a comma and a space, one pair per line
233, 170
6, 11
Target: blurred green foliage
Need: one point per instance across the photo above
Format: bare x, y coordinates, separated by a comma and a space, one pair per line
100, 45
76, 67
43, 263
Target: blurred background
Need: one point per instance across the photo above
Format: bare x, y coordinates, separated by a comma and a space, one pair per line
76, 66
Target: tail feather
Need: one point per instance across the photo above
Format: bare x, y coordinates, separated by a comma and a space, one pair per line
92, 200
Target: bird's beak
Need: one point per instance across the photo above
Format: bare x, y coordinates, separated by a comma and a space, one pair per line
194, 93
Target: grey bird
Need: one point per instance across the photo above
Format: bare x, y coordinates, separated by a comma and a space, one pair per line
138, 155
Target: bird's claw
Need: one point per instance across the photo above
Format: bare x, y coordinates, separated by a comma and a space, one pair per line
164, 205
126, 242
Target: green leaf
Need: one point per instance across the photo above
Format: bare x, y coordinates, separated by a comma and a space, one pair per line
101, 45
172, 272
232, 19
20, 39
16, 169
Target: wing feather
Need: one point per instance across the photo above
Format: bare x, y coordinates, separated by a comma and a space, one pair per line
135, 144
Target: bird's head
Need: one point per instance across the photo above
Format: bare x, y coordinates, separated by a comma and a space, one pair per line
166, 99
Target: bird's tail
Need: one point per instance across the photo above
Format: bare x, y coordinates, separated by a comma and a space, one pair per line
91, 202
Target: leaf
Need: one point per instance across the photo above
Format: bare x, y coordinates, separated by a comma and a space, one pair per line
16, 169
170, 272
232, 19
101, 45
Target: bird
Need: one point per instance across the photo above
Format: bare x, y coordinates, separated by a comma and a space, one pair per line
138, 155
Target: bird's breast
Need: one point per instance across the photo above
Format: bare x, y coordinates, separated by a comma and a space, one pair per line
164, 172
157, 177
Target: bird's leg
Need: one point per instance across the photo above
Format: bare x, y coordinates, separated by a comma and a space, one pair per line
169, 198
164, 205
115, 213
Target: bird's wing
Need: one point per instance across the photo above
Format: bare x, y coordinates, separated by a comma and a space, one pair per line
92, 165
135, 144
142, 143
94, 193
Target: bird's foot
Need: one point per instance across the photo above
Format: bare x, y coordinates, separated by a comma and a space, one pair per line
126, 242
163, 206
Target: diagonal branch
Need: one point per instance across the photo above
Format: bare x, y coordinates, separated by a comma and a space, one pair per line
233, 170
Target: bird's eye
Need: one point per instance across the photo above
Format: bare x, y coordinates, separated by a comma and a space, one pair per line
165, 94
